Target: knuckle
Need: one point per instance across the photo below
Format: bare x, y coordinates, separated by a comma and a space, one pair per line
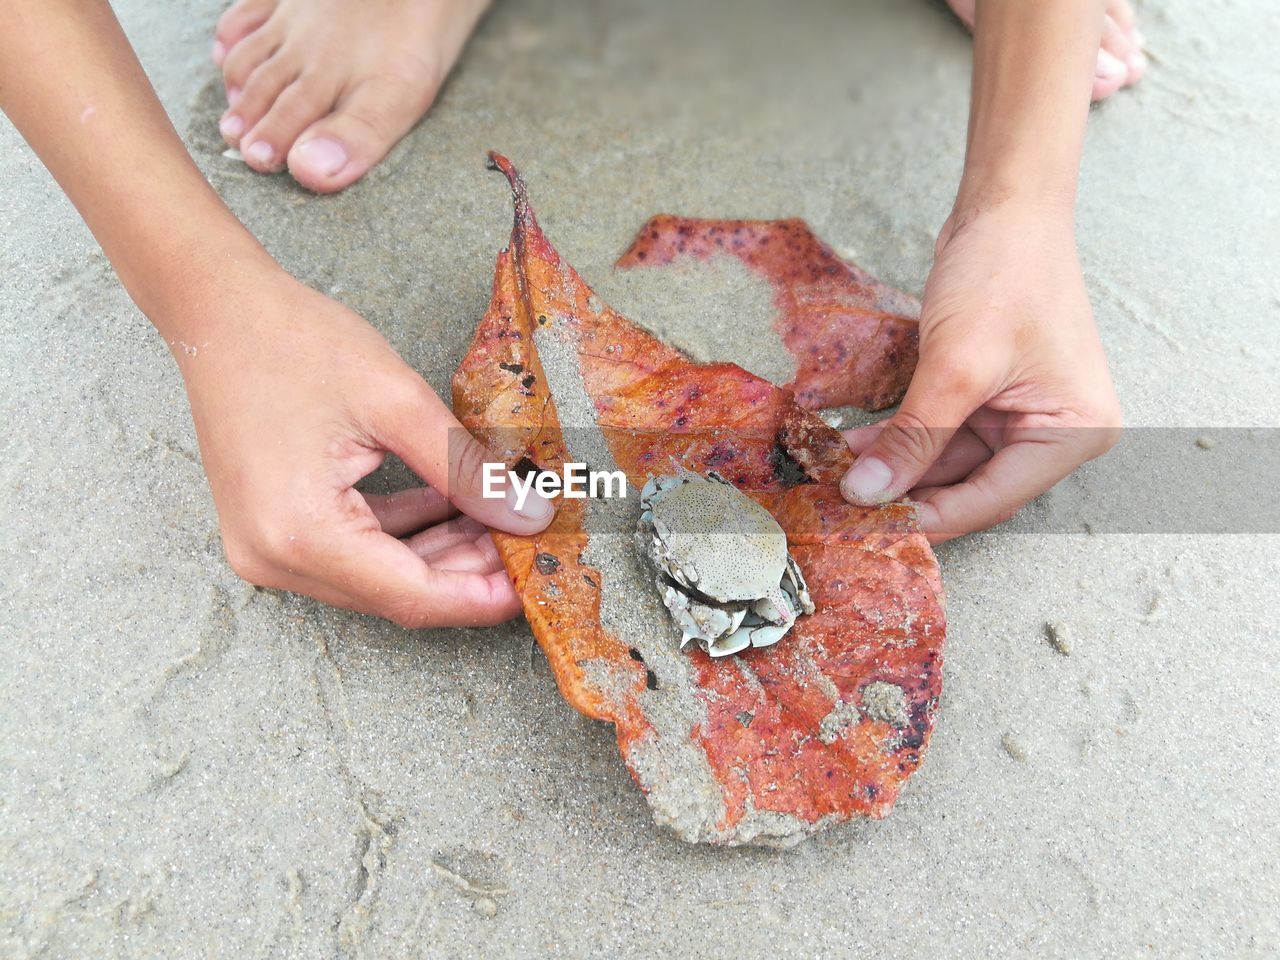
998, 505
270, 76
299, 103
954, 377
242, 59
415, 71
1104, 425
1106, 438
374, 123
911, 438
407, 614
1005, 509
245, 561
469, 458
409, 396
282, 543
403, 404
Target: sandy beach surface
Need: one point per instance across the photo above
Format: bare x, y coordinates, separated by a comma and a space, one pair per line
193, 768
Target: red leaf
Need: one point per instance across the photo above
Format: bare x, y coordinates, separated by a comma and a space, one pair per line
853, 338
767, 746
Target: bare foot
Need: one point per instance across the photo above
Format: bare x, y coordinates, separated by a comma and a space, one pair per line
1120, 60
327, 87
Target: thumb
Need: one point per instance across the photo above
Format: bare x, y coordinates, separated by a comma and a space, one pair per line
433, 444
481, 487
938, 401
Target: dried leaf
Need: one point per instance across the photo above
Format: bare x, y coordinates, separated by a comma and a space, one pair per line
763, 747
854, 339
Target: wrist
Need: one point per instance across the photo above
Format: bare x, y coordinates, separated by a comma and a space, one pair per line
1010, 192
1012, 221
1016, 187
193, 283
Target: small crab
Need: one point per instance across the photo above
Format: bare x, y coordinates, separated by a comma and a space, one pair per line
722, 563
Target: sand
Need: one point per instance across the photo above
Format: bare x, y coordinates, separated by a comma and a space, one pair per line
192, 767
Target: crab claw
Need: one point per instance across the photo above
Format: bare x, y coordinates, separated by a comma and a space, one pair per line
767, 634
776, 607
729, 644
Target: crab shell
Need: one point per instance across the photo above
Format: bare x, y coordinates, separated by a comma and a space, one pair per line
722, 563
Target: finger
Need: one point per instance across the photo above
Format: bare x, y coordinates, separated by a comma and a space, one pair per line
965, 452
442, 536
408, 511
474, 556
1001, 487
378, 574
426, 436
489, 550
942, 395
859, 438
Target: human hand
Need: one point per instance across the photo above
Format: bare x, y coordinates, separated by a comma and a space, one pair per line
1011, 392
296, 398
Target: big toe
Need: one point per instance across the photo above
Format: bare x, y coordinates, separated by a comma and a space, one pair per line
339, 149
324, 163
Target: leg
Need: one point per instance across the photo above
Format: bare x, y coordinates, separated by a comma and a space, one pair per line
1120, 60
327, 87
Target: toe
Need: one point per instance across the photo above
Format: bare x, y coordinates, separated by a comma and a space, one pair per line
236, 23
1122, 13
246, 56
1109, 75
1120, 61
370, 118
260, 92
299, 105
1121, 45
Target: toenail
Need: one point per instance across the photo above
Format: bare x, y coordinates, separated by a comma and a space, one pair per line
1109, 66
1137, 61
1138, 38
323, 155
233, 94
231, 126
261, 151
219, 52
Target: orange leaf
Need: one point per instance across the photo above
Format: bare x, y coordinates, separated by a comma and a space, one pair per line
767, 746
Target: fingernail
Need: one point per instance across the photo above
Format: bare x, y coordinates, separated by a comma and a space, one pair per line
323, 155
261, 151
231, 126
219, 51
867, 481
1109, 67
534, 507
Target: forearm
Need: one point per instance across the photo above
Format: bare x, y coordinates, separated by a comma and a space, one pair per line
72, 86
1033, 69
